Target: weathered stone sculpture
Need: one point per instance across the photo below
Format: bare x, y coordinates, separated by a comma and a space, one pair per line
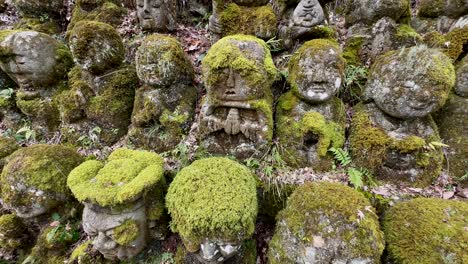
369, 11
123, 198
213, 205
157, 15
391, 135
33, 181
236, 115
39, 15
13, 235
38, 64
252, 17
300, 20
102, 87
165, 104
310, 119
326, 223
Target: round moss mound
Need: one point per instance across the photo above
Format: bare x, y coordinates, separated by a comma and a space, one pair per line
427, 230
7, 146
125, 176
213, 198
326, 223
11, 231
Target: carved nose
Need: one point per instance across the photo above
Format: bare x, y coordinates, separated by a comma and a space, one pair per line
230, 81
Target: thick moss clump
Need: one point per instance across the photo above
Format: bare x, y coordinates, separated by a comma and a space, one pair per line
437, 8
127, 232
49, 27
427, 230
47, 250
7, 146
106, 11
369, 11
351, 50
125, 176
453, 44
12, 232
326, 223
213, 198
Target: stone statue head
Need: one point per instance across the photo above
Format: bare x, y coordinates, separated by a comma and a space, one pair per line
156, 15
33, 59
238, 68
308, 13
96, 47
316, 70
410, 83
161, 61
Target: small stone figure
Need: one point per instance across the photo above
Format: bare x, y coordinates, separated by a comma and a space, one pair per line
100, 99
39, 15
39, 64
165, 104
123, 199
303, 21
236, 114
213, 205
33, 181
310, 119
391, 135
157, 15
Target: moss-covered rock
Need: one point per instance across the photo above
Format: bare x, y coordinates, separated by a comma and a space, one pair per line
369, 11
461, 87
453, 44
13, 232
427, 230
85, 254
47, 26
34, 178
213, 198
38, 8
436, 8
7, 146
326, 223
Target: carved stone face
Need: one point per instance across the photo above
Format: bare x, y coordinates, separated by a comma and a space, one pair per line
232, 86
101, 225
212, 251
308, 13
152, 15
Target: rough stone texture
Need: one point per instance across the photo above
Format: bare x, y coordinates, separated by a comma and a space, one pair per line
157, 15
13, 234
102, 88
38, 64
236, 116
369, 11
436, 8
247, 254
7, 146
428, 230
461, 87
326, 223
310, 119
34, 179
165, 104
37, 8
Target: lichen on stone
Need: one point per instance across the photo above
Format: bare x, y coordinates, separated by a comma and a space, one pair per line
127, 232
12, 231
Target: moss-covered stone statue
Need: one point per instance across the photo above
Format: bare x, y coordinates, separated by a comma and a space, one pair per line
450, 8
213, 205
13, 236
157, 15
392, 135
7, 146
101, 87
165, 104
452, 121
309, 118
123, 199
33, 181
250, 17
301, 20
326, 223
369, 11
105, 11
427, 230
39, 15
236, 115
39, 64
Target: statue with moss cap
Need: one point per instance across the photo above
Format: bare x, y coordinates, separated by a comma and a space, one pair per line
392, 135
123, 199
157, 15
101, 87
165, 104
39, 64
213, 205
236, 115
39, 15
33, 181
310, 119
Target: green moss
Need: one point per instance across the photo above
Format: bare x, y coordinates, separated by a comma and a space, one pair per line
7, 146
406, 32
452, 43
257, 21
351, 50
45, 251
126, 175
194, 214
12, 230
49, 27
80, 252
431, 8
427, 230
104, 11
127, 232
329, 211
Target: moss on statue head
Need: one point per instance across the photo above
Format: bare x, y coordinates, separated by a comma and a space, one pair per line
49, 27
258, 21
126, 175
428, 230
213, 198
127, 232
452, 44
109, 12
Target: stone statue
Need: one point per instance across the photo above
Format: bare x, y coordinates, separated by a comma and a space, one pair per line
301, 21
123, 199
39, 15
102, 87
236, 114
369, 11
165, 104
310, 119
39, 64
392, 135
157, 15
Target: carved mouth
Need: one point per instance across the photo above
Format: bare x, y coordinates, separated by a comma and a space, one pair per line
228, 93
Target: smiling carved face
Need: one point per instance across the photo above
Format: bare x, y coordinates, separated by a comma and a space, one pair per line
308, 13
